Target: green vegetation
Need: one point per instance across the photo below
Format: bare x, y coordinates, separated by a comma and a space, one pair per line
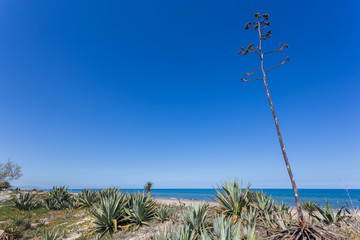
109, 192
162, 213
110, 211
148, 188
182, 233
310, 207
52, 234
232, 199
224, 228
140, 210
60, 196
26, 201
87, 198
328, 215
4, 185
11, 212
238, 214
9, 171
195, 218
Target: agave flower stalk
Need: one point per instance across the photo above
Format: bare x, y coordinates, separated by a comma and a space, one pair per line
260, 25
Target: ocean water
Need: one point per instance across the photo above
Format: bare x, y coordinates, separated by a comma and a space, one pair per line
336, 197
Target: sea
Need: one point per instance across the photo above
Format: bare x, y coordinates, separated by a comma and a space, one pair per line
336, 197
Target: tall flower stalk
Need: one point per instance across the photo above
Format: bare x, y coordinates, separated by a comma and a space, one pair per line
260, 24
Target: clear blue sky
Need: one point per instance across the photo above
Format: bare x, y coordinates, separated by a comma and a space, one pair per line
97, 94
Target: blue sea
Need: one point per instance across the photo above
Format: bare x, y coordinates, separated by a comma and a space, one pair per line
336, 197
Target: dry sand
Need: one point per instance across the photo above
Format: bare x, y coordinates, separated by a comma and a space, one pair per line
185, 202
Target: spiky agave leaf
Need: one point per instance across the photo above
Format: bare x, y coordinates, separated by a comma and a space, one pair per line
140, 210
26, 201
87, 198
195, 218
232, 199
108, 210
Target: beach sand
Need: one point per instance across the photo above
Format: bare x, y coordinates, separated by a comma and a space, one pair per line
185, 202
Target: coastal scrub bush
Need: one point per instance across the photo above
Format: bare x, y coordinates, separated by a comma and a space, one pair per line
26, 201
87, 198
231, 198
109, 209
140, 210
195, 218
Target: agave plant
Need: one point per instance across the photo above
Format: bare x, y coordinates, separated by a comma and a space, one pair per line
109, 192
164, 234
50, 204
141, 209
224, 229
162, 213
329, 217
26, 201
250, 216
52, 234
281, 208
195, 218
263, 202
182, 233
250, 234
61, 196
310, 207
87, 198
73, 203
109, 210
231, 198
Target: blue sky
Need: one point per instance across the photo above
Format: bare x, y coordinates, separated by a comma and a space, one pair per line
116, 93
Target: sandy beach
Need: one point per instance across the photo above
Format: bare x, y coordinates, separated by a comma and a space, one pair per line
185, 202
